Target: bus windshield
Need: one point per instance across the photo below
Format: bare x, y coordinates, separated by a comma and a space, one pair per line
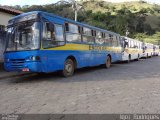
23, 37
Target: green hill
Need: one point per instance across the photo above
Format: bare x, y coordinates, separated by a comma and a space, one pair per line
140, 18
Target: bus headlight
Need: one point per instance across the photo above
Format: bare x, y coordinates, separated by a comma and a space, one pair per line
34, 58
7, 60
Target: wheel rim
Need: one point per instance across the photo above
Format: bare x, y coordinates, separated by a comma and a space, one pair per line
69, 68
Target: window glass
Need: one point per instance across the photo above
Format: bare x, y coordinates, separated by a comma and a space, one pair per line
108, 42
66, 27
140, 45
103, 35
88, 39
133, 43
106, 36
52, 35
70, 37
24, 37
118, 41
129, 44
59, 32
98, 34
137, 45
93, 32
87, 31
111, 36
100, 41
115, 41
73, 28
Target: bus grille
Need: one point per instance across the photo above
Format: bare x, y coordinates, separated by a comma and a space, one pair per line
17, 63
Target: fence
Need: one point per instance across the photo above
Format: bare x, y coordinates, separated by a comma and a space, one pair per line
2, 44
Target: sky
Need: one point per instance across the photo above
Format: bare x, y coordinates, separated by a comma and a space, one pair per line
42, 2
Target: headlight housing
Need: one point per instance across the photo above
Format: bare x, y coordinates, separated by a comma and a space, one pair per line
33, 58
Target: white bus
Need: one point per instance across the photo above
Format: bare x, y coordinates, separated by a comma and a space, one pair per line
147, 50
156, 50
132, 49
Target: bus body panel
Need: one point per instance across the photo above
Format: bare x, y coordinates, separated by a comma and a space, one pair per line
53, 60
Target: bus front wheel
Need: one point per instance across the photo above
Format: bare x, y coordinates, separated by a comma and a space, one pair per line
108, 62
69, 68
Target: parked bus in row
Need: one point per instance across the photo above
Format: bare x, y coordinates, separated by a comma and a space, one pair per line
148, 50
156, 50
132, 49
43, 42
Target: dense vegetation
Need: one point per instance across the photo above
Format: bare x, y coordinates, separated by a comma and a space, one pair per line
141, 19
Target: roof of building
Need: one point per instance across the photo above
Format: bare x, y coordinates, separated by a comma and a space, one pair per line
10, 10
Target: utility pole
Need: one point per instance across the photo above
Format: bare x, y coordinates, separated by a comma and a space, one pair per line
76, 7
127, 33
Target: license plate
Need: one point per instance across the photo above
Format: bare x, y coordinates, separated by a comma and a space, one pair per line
25, 70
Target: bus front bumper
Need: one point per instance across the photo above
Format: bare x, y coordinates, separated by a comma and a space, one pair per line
23, 66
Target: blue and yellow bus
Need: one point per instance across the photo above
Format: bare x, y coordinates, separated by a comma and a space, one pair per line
43, 42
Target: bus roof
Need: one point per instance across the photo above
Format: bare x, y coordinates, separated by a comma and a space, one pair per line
46, 15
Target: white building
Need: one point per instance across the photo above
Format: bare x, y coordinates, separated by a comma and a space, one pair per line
6, 13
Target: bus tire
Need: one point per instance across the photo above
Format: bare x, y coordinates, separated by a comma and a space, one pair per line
108, 62
69, 68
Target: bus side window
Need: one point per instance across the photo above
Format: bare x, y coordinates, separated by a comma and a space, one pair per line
107, 40
130, 45
99, 38
87, 35
66, 27
52, 35
115, 41
73, 33
119, 41
59, 33
111, 39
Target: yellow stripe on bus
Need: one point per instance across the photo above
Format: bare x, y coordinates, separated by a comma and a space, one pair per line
133, 51
82, 47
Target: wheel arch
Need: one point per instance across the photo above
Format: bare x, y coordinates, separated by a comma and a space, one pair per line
110, 56
74, 60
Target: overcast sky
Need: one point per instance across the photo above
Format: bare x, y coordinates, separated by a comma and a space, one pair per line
42, 2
